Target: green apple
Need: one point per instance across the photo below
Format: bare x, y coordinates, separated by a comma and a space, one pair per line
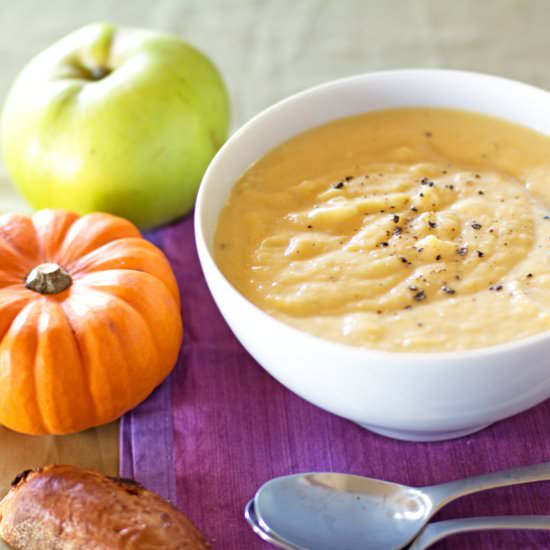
118, 120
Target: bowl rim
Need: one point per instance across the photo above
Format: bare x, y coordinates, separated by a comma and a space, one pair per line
341, 347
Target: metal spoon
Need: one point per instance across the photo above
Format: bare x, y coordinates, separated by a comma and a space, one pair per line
328, 511
432, 533
250, 516
438, 530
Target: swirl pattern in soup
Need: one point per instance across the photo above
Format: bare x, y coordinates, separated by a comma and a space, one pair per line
410, 229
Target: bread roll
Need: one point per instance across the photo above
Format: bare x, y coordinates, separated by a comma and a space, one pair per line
66, 508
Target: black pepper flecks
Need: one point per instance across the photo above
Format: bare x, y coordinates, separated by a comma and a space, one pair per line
310, 226
496, 288
414, 209
397, 231
438, 257
462, 251
420, 296
480, 254
480, 192
448, 290
338, 185
404, 260
476, 226
395, 218
384, 243
433, 225
348, 178
529, 275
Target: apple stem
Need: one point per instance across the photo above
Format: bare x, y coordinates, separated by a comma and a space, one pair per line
48, 278
97, 73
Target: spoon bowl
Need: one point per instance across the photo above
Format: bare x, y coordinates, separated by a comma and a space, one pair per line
250, 516
315, 510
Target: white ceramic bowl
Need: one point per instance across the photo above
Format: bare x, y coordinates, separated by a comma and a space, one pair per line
412, 396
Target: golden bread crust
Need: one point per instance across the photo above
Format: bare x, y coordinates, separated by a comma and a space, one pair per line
61, 507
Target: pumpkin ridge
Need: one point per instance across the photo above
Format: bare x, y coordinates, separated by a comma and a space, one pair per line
37, 399
92, 231
22, 254
42, 252
80, 279
128, 382
150, 332
51, 227
85, 367
27, 311
23, 303
128, 305
105, 291
15, 285
88, 263
83, 282
23, 263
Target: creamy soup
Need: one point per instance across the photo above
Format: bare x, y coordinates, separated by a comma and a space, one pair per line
409, 229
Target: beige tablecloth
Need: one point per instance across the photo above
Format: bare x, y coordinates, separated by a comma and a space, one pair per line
268, 49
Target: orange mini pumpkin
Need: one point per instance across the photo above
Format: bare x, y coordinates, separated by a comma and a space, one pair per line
89, 320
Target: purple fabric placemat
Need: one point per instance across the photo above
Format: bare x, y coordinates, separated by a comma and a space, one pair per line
220, 426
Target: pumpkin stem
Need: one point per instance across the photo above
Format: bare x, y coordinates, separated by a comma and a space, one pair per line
48, 278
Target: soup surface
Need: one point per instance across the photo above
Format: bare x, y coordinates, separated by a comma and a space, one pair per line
410, 229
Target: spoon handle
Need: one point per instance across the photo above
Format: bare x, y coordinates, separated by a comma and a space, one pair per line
438, 530
446, 492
